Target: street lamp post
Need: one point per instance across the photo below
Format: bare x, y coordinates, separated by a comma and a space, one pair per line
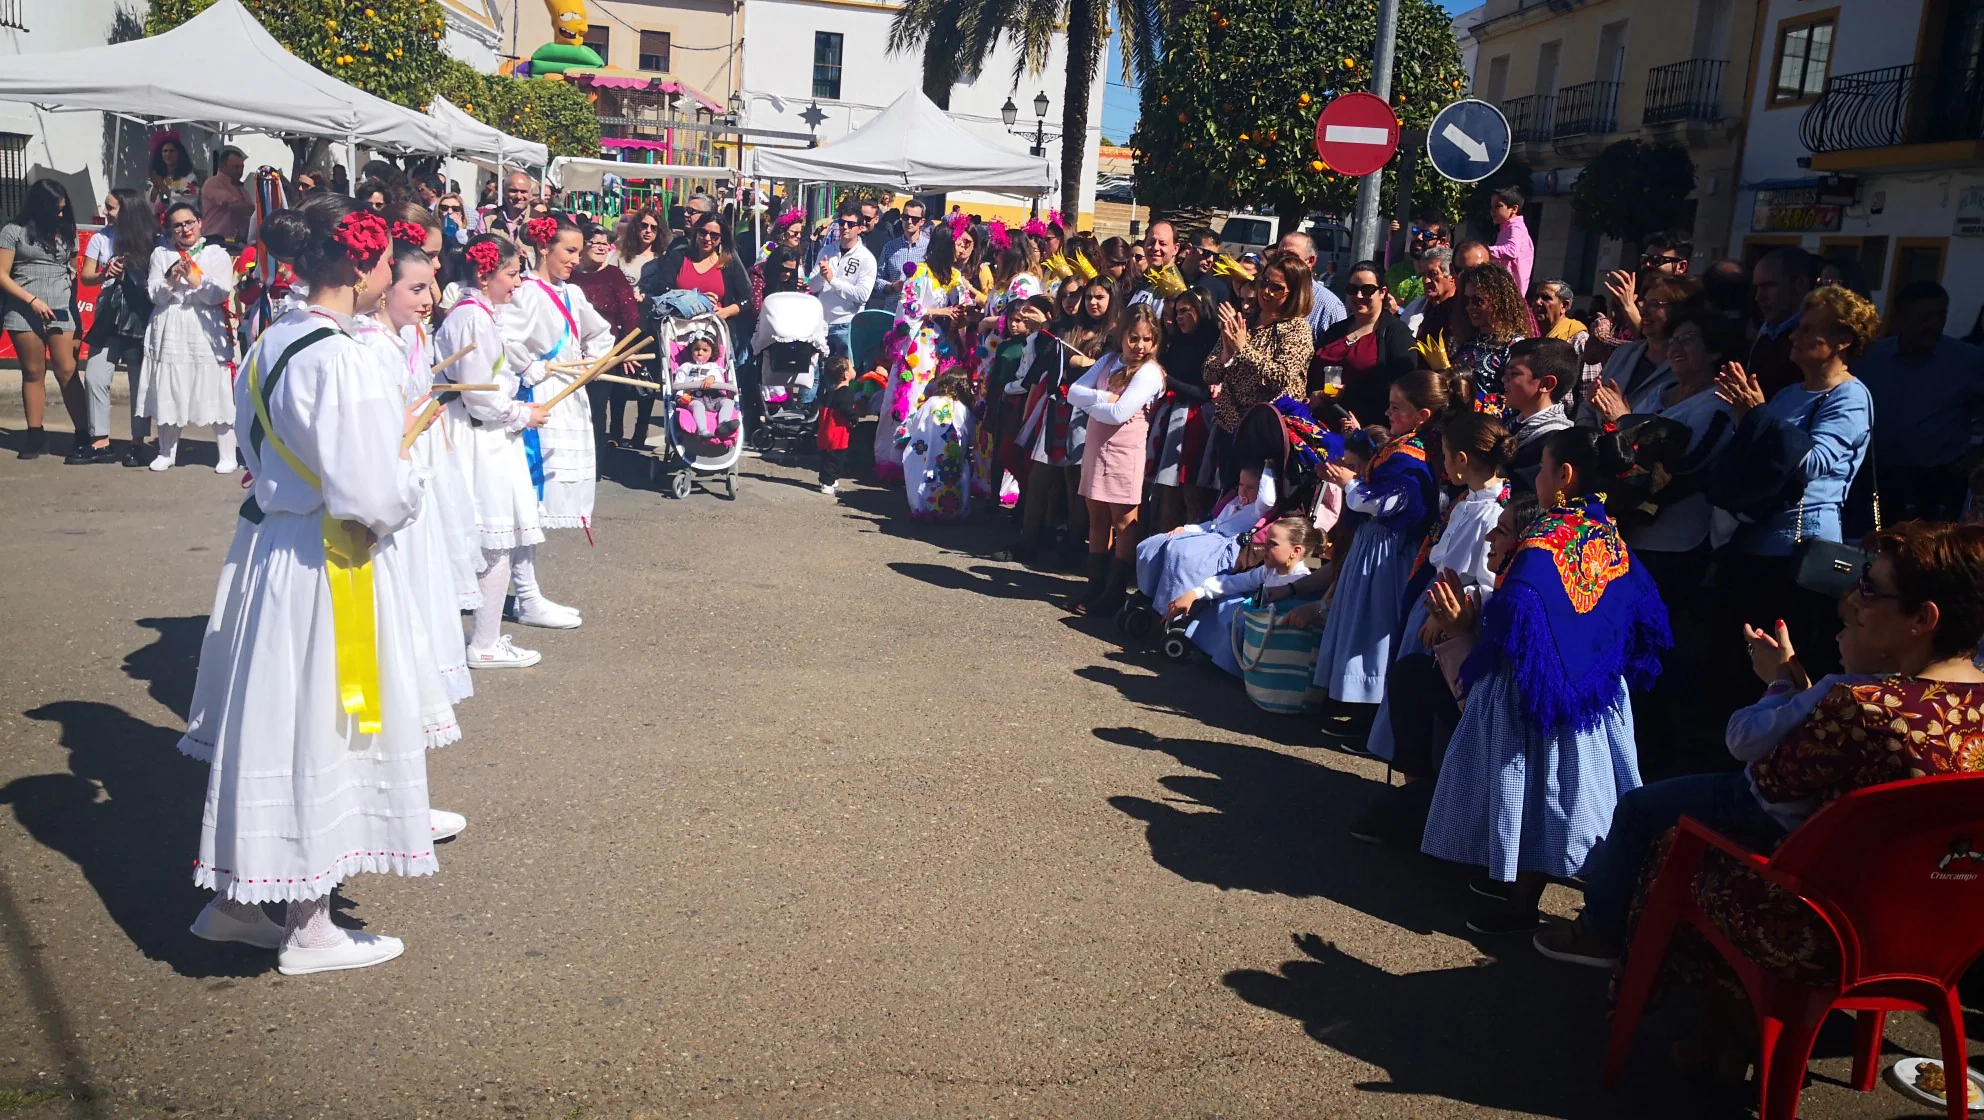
1010, 113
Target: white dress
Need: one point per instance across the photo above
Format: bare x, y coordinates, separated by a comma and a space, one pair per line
548, 322
490, 425
299, 797
187, 347
427, 541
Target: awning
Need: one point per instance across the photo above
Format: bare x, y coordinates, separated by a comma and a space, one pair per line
916, 148
573, 173
471, 137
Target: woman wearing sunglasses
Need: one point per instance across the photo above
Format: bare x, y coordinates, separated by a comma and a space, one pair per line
187, 345
1358, 358
640, 242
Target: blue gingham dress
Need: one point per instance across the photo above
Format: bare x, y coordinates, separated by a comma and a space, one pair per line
1511, 798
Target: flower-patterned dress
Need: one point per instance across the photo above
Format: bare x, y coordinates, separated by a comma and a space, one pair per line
935, 444
918, 351
988, 480
1864, 733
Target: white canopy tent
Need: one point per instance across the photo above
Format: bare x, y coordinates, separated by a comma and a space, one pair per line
472, 138
914, 147
220, 66
575, 173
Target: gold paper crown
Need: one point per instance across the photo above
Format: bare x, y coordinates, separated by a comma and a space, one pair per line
1083, 268
1433, 351
1167, 282
1224, 265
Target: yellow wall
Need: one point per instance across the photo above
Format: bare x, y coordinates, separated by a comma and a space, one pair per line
689, 23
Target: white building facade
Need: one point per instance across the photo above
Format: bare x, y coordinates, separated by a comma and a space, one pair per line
1864, 143
834, 53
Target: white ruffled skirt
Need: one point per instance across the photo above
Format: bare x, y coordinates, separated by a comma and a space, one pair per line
498, 475
571, 462
298, 798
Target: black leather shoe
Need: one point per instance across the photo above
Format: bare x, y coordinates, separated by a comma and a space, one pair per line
82, 454
33, 442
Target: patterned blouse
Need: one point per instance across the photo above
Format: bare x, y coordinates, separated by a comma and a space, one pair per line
1878, 731
1275, 362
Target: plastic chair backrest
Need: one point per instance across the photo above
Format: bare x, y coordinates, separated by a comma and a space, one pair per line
865, 335
1899, 869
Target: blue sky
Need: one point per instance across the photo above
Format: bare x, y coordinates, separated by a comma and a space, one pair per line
1119, 101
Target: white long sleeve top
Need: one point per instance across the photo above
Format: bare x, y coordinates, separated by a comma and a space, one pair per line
1463, 547
335, 409
1235, 517
1087, 394
472, 320
537, 332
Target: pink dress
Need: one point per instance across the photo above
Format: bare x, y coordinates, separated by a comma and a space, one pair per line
1113, 458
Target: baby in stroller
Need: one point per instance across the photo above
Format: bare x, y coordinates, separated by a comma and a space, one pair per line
706, 397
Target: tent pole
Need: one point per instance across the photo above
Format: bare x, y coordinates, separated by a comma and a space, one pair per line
351, 163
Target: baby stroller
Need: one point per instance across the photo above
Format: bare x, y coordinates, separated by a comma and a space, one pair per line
683, 460
790, 341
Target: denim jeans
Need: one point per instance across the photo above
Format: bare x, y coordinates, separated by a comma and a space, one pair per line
1720, 801
837, 344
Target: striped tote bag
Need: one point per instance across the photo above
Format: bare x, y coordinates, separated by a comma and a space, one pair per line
1277, 662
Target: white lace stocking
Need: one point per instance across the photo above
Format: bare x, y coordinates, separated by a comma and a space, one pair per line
309, 926
239, 911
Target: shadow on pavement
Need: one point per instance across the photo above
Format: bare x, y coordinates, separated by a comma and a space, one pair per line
998, 581
127, 813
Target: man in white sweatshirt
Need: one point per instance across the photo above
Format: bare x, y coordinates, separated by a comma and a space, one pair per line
845, 276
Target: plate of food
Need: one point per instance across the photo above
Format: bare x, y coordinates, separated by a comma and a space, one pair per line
1924, 1079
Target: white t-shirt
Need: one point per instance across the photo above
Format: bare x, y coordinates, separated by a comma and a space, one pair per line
102, 246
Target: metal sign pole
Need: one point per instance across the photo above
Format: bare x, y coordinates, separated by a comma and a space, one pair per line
1364, 234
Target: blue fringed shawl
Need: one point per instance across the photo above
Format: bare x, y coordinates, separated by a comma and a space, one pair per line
1401, 471
1573, 613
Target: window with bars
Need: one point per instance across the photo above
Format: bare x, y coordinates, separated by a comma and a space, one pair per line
600, 39
826, 64
654, 51
13, 173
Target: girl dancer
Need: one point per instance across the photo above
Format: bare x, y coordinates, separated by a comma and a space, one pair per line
308, 698
550, 320
920, 345
1545, 744
491, 426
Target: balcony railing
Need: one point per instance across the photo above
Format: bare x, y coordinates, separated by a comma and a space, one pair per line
1684, 91
1588, 109
1892, 106
1530, 118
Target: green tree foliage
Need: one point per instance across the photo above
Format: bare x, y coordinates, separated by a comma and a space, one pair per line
1229, 112
1632, 188
388, 48
555, 114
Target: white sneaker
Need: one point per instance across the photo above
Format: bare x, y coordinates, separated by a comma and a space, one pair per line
445, 825
226, 466
360, 950
502, 655
827, 488
547, 615
162, 462
214, 924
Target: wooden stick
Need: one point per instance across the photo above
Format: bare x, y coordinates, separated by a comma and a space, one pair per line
598, 367
634, 381
459, 387
451, 359
426, 417
567, 367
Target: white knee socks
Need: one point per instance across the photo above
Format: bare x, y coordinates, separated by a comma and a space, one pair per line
168, 447
494, 583
224, 439
308, 925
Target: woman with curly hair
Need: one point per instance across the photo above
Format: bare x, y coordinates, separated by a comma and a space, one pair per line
1835, 411
1495, 311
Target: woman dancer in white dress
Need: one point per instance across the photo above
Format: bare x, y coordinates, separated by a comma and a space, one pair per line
308, 703
550, 320
187, 346
490, 426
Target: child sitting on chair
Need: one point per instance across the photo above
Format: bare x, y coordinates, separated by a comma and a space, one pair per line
707, 402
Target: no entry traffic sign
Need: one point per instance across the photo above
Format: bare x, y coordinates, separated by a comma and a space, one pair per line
1356, 134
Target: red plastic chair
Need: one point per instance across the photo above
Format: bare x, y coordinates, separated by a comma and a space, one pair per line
1896, 871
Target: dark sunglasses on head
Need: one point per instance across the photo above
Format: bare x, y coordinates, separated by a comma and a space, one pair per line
1363, 291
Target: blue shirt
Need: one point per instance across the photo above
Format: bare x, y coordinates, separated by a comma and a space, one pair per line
895, 260
1840, 421
1328, 310
1928, 404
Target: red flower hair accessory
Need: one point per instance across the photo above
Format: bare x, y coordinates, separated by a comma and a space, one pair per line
413, 233
363, 235
541, 231
485, 257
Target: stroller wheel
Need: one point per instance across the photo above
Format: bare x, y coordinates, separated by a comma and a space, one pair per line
730, 486
761, 438
681, 484
654, 470
1177, 647
1139, 623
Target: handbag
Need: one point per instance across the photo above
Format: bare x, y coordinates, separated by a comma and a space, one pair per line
1831, 568
1277, 663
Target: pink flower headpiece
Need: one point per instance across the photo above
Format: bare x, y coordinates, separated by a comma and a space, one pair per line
1034, 228
1054, 221
957, 221
160, 137
997, 237
790, 218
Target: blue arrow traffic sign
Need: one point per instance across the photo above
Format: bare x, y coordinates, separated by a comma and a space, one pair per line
1468, 140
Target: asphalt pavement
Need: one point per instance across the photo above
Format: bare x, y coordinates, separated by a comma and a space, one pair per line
819, 814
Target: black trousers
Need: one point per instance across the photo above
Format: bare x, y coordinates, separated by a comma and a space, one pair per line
1424, 714
830, 465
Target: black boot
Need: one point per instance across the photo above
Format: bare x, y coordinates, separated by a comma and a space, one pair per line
33, 442
1121, 574
1098, 579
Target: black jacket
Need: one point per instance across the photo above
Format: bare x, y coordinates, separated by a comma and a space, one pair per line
1368, 397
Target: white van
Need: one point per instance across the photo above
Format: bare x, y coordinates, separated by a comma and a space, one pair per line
1249, 233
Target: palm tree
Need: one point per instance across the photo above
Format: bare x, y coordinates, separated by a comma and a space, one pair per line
969, 30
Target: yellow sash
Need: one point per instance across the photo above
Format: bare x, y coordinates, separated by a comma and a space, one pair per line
348, 567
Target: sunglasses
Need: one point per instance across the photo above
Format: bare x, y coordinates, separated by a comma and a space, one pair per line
1363, 291
451, 209
1655, 260
1273, 288
1867, 590
712, 234
912, 219
650, 225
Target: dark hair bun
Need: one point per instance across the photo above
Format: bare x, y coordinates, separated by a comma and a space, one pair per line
287, 234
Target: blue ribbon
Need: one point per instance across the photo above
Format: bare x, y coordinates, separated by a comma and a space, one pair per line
533, 448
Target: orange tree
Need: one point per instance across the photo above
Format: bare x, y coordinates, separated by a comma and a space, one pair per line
556, 114
1229, 112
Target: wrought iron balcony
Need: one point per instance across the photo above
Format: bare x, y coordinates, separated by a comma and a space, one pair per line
1588, 109
1892, 106
1530, 118
1684, 91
